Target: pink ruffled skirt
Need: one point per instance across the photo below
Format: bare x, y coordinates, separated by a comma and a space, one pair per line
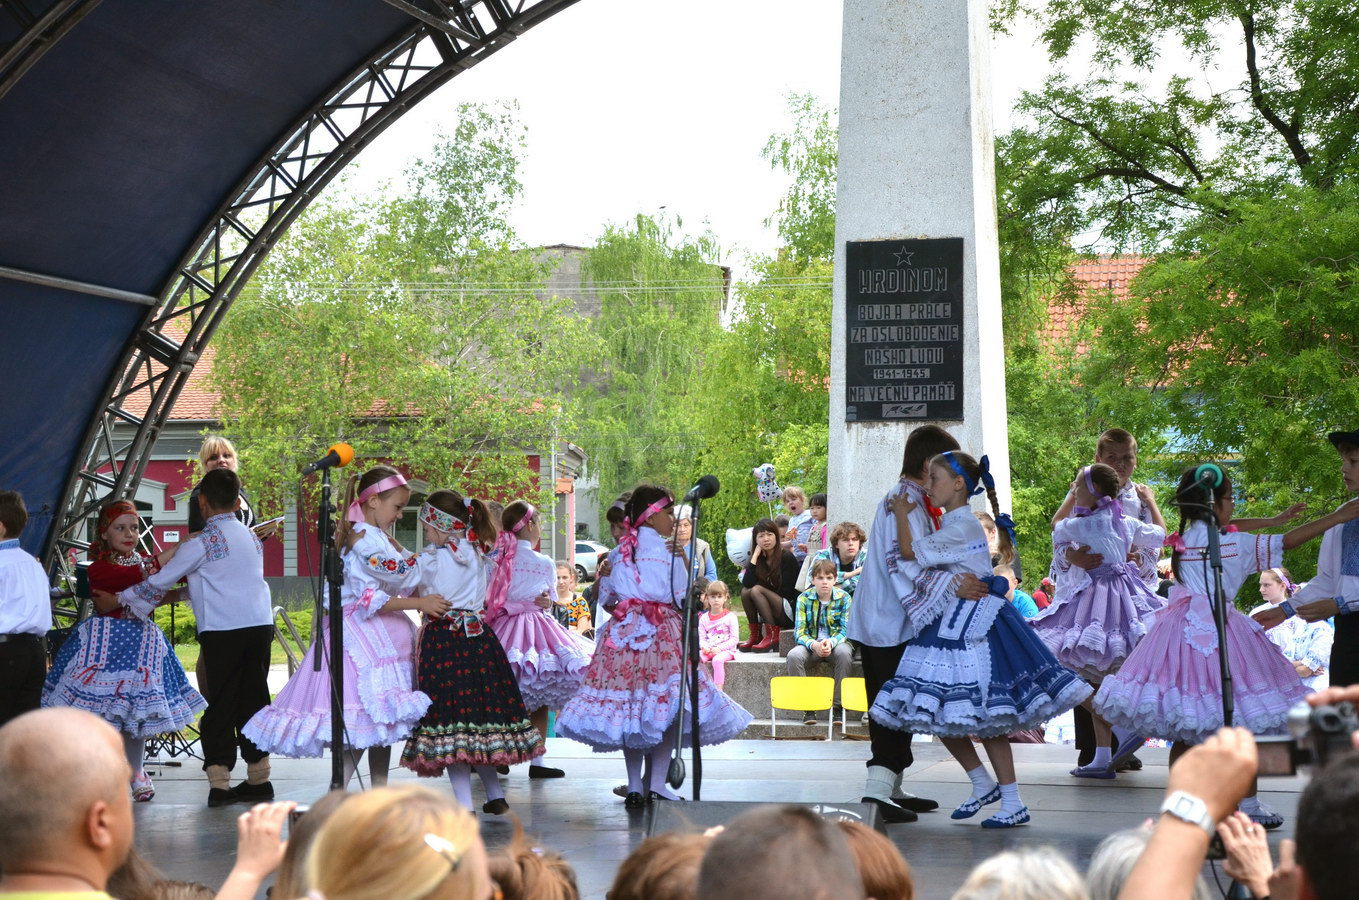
1170, 687
631, 691
381, 706
547, 659
1093, 631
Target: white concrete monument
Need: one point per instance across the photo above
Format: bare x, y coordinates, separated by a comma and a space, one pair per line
916, 335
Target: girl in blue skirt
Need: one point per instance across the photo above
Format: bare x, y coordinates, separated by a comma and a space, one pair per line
978, 669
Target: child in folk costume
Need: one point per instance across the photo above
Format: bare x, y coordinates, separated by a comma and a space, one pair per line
119, 666
630, 699
1171, 685
476, 719
547, 659
977, 669
381, 706
1307, 645
1100, 614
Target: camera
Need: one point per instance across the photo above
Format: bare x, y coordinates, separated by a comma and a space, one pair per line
295, 814
1316, 736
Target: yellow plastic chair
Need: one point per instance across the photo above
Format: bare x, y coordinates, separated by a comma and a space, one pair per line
853, 696
800, 693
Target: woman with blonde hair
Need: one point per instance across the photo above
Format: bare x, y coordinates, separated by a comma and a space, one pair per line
407, 842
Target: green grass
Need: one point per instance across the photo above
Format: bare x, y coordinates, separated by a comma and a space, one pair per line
188, 655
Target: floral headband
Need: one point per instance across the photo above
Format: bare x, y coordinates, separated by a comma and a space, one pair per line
440, 521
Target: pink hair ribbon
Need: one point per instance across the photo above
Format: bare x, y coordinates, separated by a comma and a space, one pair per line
507, 546
627, 544
355, 512
1175, 541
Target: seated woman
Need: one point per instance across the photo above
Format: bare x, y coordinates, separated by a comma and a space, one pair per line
769, 588
1307, 645
848, 548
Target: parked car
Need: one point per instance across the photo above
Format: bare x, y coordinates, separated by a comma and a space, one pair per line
588, 555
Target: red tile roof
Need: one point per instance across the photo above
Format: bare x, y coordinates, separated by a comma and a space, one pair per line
1103, 273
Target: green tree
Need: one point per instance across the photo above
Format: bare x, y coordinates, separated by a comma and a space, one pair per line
661, 302
410, 324
1236, 342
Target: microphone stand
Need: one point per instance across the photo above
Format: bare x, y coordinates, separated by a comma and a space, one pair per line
333, 576
1220, 616
689, 673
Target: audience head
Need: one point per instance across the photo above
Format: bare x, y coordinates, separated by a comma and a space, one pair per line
1328, 831
1114, 860
885, 874
1117, 449
13, 514
217, 453
664, 867
1041, 874
409, 842
848, 539
822, 574
291, 883
771, 849
782, 521
766, 535
180, 890
523, 872
922, 445
817, 506
795, 499
566, 579
64, 793
1008, 573
716, 597
135, 879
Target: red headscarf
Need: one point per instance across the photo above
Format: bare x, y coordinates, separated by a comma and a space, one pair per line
107, 516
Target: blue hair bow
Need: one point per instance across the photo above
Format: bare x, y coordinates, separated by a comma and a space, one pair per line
973, 488
1008, 524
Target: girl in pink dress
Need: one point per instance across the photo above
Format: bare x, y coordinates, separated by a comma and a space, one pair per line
548, 659
381, 705
717, 631
1098, 616
1170, 686
630, 698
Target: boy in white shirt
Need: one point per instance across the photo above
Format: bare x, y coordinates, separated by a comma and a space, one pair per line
224, 567
1335, 589
25, 615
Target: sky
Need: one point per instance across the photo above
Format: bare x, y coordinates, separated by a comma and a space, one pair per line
637, 106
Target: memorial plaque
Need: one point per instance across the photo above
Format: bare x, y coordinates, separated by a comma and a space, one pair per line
904, 340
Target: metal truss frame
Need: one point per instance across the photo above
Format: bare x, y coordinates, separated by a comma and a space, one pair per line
157, 362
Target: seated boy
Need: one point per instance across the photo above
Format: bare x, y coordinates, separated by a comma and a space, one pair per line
25, 615
224, 567
821, 627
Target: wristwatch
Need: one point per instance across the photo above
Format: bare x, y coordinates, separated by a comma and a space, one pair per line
1191, 809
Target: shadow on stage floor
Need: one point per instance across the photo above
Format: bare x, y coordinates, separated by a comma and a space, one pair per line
584, 821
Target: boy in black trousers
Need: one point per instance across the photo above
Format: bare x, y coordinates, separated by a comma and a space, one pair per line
25, 615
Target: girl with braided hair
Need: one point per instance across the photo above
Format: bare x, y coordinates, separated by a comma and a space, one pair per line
976, 669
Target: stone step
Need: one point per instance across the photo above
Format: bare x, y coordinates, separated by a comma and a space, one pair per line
748, 682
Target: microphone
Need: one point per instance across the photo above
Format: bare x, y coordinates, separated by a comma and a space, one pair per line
707, 487
1209, 475
339, 455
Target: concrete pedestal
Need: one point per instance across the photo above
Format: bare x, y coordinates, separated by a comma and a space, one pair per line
916, 161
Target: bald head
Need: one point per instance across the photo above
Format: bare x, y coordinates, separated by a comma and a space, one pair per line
62, 767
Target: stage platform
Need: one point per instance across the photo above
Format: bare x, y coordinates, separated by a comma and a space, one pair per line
581, 818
